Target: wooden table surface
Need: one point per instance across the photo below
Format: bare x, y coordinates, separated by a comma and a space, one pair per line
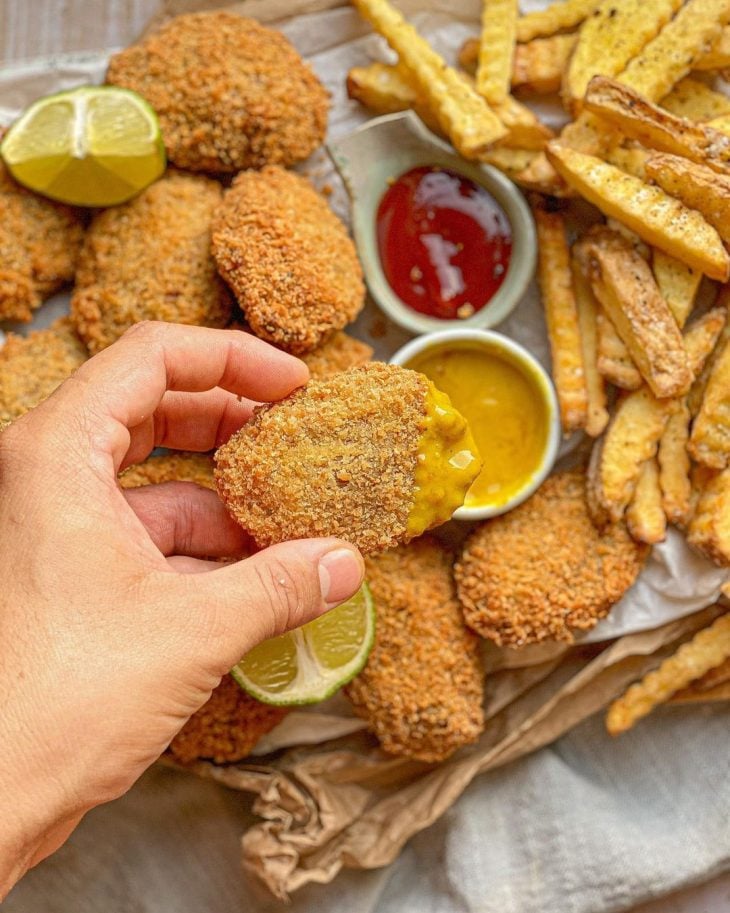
171, 844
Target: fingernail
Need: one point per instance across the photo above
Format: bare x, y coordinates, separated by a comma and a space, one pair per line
340, 575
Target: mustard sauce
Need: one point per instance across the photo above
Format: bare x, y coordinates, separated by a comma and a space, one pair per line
448, 464
505, 408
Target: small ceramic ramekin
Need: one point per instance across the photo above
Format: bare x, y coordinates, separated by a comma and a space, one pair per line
523, 359
388, 146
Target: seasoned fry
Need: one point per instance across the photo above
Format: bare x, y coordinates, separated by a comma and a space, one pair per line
614, 361
709, 442
587, 306
558, 17
614, 34
537, 66
496, 49
697, 391
707, 649
385, 89
700, 477
556, 287
696, 186
463, 115
718, 57
631, 159
524, 129
695, 100
674, 468
656, 128
645, 516
659, 219
624, 285
678, 284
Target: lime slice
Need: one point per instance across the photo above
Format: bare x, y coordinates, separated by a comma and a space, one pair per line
93, 146
310, 663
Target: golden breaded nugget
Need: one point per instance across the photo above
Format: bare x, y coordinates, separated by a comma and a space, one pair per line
229, 93
339, 353
421, 691
543, 570
226, 728
171, 467
288, 259
374, 455
31, 367
149, 259
39, 246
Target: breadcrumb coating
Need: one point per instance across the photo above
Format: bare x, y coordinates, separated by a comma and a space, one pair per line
336, 458
543, 569
229, 93
32, 366
171, 467
150, 259
421, 691
339, 353
226, 728
288, 259
39, 246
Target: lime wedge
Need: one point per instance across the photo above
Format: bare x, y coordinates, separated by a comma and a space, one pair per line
310, 663
93, 146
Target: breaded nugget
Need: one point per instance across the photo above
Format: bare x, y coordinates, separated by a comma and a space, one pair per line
229, 93
422, 688
543, 569
149, 259
374, 455
288, 259
171, 467
226, 728
339, 353
32, 366
39, 246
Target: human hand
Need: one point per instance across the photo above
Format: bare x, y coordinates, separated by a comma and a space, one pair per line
114, 628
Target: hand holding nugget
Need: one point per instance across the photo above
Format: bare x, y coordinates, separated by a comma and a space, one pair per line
107, 605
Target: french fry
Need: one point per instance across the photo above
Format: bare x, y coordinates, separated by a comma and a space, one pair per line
511, 161
695, 100
656, 217
656, 128
561, 314
634, 432
614, 34
718, 57
587, 307
614, 361
524, 129
624, 285
645, 516
706, 650
697, 392
709, 442
721, 124
696, 186
463, 115
558, 17
384, 89
709, 687
674, 468
709, 528
700, 477
631, 159
496, 49
537, 67
678, 284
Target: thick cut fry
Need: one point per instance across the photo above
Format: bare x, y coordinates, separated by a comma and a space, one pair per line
697, 392
635, 430
710, 439
496, 50
656, 217
463, 115
615, 33
537, 67
675, 50
706, 650
718, 57
700, 477
558, 17
614, 361
587, 306
645, 516
384, 89
721, 124
631, 159
678, 284
624, 285
674, 466
524, 129
696, 186
656, 128
695, 100
561, 314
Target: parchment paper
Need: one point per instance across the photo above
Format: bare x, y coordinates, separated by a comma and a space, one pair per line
330, 798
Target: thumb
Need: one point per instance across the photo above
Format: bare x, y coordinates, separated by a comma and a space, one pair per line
273, 591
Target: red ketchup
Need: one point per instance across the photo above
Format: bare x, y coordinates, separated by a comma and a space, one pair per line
444, 242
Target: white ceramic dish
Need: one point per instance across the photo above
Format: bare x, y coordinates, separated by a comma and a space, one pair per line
531, 367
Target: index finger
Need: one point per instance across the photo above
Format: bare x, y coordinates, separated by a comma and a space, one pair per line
124, 384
